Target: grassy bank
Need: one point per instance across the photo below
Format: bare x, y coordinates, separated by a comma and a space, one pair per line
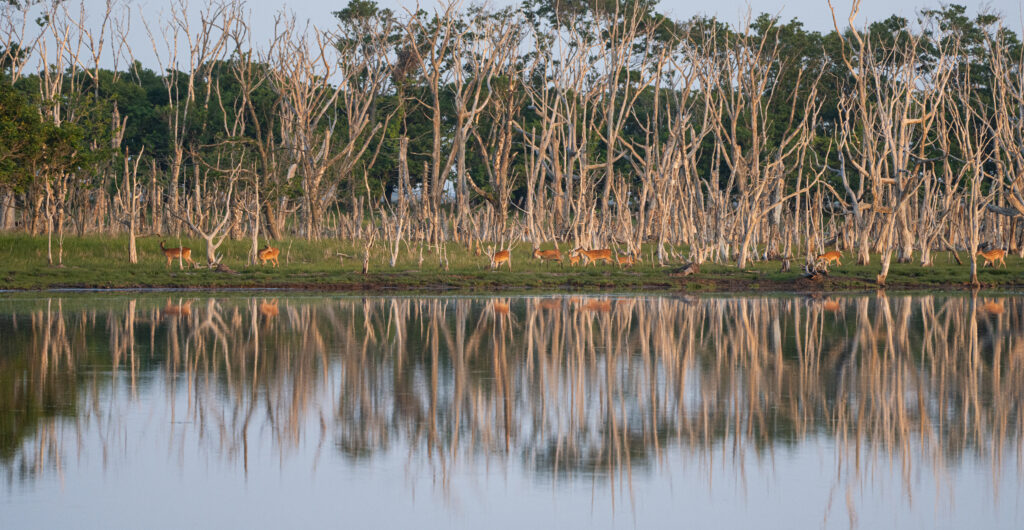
102, 262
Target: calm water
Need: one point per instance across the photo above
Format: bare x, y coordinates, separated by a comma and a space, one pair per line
259, 411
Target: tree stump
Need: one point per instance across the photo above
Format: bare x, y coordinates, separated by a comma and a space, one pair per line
815, 274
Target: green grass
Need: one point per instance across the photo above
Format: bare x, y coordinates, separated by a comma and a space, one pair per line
101, 262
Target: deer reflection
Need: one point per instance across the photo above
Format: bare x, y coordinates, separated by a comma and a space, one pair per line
269, 309
500, 307
599, 306
182, 309
600, 388
994, 307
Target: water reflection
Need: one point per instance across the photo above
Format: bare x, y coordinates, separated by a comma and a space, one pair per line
597, 389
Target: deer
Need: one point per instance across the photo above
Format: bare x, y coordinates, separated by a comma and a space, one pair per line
829, 257
269, 254
498, 258
574, 258
593, 256
628, 260
993, 257
547, 255
184, 253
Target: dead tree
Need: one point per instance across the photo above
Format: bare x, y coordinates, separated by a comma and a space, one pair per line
304, 71
129, 194
203, 44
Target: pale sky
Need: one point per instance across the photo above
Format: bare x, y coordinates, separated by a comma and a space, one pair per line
814, 14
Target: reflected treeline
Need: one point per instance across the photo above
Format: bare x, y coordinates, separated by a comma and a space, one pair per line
569, 386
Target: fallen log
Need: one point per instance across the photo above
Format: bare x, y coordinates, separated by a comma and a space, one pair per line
688, 269
220, 267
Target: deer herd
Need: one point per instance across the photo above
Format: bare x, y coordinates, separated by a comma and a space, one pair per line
184, 255
269, 254
575, 256
497, 259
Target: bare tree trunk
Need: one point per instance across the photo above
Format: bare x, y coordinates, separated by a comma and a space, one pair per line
6, 211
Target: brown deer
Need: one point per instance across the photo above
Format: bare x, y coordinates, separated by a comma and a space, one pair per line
593, 256
993, 256
829, 257
547, 255
574, 258
627, 260
184, 253
501, 257
268, 254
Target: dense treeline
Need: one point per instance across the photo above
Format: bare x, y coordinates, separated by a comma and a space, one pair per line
590, 123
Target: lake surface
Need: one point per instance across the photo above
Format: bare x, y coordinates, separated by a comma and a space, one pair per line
173, 410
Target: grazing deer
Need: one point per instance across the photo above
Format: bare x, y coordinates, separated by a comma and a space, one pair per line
268, 254
993, 256
628, 260
184, 253
592, 256
547, 255
501, 257
829, 257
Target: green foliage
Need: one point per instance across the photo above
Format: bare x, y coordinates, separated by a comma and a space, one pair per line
32, 147
21, 137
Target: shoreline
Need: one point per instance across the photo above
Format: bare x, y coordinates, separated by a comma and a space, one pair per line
460, 284
99, 264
